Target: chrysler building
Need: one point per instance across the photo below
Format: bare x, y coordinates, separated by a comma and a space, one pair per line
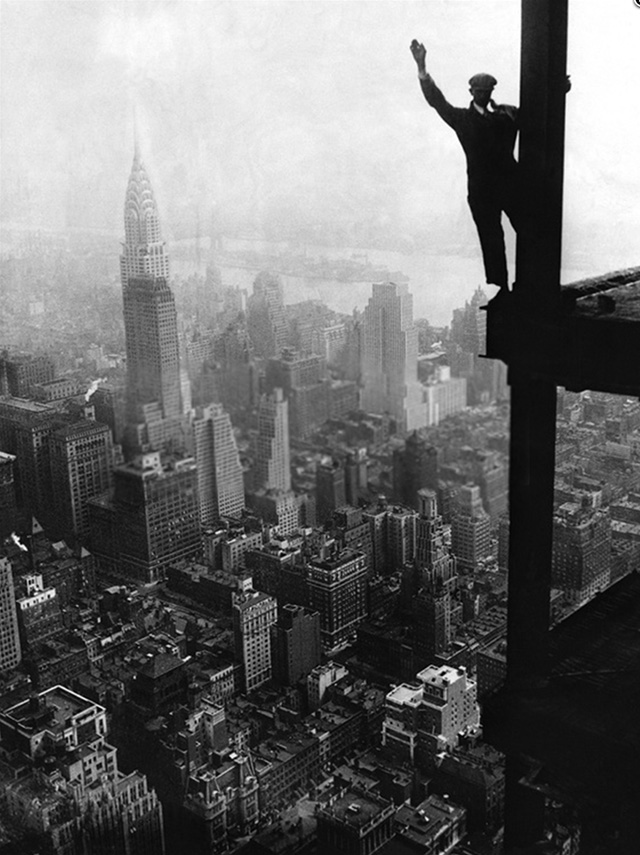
143, 251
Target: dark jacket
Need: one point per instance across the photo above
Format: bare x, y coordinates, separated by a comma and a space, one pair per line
487, 140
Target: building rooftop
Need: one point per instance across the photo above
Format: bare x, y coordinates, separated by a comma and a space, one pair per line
420, 825
405, 694
53, 708
440, 675
358, 809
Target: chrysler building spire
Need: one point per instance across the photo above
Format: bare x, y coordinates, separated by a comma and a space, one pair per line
143, 250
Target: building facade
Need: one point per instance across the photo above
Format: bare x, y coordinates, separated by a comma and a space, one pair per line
390, 357
254, 613
220, 477
81, 456
10, 650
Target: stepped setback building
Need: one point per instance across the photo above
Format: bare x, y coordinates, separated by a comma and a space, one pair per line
273, 464
390, 358
266, 319
220, 479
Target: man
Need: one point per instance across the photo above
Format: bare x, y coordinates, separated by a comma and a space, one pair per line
487, 132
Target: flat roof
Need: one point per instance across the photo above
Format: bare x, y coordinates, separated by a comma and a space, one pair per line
404, 693
59, 702
357, 809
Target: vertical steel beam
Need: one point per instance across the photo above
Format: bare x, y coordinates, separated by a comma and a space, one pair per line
543, 71
533, 399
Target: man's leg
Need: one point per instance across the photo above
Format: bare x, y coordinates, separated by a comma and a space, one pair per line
515, 204
487, 214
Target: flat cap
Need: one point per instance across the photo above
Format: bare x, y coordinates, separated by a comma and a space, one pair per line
482, 81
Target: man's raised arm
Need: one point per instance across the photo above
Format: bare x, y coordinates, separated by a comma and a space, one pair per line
433, 95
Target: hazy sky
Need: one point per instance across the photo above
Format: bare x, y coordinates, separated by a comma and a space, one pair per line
284, 107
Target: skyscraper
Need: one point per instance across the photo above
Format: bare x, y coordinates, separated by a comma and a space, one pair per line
154, 397
81, 457
143, 251
237, 372
220, 478
414, 466
150, 520
302, 379
337, 585
330, 488
272, 469
8, 503
9, 632
153, 358
470, 529
254, 613
581, 551
25, 428
295, 643
266, 319
22, 372
434, 582
390, 357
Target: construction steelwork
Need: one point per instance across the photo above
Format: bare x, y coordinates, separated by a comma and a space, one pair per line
568, 717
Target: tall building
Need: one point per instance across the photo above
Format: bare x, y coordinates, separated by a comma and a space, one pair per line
444, 395
356, 476
149, 520
254, 613
8, 501
237, 372
470, 529
39, 613
486, 378
581, 563
302, 379
490, 472
25, 428
81, 456
330, 488
414, 466
434, 582
153, 358
295, 644
22, 372
10, 652
220, 478
337, 586
266, 319
144, 252
390, 357
272, 466
400, 525
69, 792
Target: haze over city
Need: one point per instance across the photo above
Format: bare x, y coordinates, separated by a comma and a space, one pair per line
303, 122
316, 536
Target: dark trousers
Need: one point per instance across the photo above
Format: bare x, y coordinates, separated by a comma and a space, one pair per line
487, 203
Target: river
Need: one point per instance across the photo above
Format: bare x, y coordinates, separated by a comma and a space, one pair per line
439, 283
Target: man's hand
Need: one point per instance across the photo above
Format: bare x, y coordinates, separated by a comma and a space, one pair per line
419, 52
